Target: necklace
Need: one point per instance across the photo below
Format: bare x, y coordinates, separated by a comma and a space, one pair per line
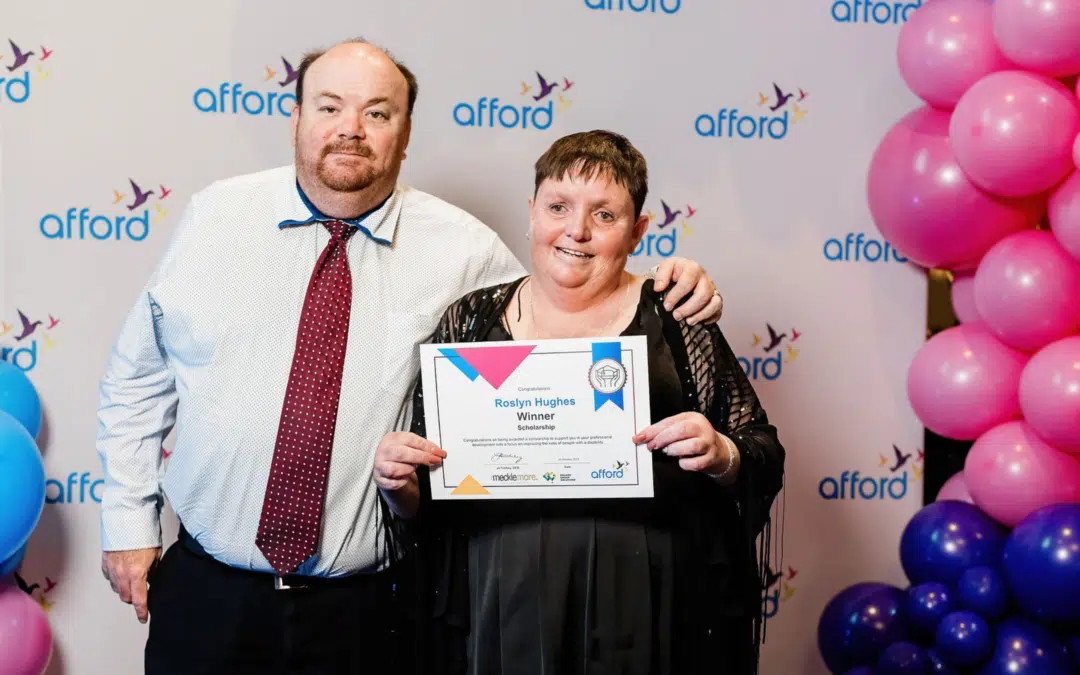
618, 311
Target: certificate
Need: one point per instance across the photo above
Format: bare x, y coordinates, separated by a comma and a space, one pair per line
544, 419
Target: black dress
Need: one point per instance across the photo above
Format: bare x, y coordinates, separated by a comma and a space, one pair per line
661, 586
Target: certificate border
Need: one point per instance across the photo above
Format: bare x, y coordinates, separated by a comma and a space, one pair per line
633, 412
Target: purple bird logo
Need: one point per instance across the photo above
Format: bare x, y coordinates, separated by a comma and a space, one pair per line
781, 98
140, 196
774, 338
21, 57
545, 87
28, 327
669, 215
290, 73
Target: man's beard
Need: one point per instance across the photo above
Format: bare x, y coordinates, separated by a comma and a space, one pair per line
342, 179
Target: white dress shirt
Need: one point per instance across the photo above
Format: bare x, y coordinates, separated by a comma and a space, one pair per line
209, 344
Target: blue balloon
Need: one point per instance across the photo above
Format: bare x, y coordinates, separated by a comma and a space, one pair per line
902, 658
861, 670
858, 623
1074, 649
22, 485
1024, 648
945, 538
983, 591
7, 567
1041, 564
927, 604
964, 639
19, 398
937, 666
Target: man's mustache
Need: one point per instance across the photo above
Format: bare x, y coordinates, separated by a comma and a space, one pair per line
351, 148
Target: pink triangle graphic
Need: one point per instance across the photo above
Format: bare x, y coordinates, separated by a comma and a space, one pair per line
495, 364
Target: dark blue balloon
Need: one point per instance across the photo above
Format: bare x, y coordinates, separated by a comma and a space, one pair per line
964, 639
945, 538
983, 591
861, 670
22, 485
859, 623
1041, 564
1074, 648
927, 604
1024, 648
937, 666
903, 658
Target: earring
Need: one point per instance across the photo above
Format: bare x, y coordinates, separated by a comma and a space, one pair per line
528, 234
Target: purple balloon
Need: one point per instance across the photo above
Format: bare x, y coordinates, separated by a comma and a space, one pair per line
962, 294
1027, 290
983, 591
859, 623
1013, 131
926, 207
937, 666
955, 489
902, 658
964, 639
947, 46
861, 670
1023, 648
1011, 473
964, 381
1041, 564
1063, 211
25, 635
944, 539
1039, 36
1050, 394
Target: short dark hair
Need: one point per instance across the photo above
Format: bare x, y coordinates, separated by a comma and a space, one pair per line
589, 153
313, 56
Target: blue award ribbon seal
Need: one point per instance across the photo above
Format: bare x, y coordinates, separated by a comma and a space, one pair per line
607, 374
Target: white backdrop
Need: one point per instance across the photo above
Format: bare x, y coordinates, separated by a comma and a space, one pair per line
778, 218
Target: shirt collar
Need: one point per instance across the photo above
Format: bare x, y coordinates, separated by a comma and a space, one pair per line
378, 224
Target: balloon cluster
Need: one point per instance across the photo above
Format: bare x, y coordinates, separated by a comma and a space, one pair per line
25, 634
982, 600
962, 184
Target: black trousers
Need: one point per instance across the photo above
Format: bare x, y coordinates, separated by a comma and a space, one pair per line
207, 617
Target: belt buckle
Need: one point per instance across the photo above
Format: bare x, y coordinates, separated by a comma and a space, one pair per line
281, 585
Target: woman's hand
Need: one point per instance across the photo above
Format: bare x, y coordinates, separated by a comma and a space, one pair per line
691, 438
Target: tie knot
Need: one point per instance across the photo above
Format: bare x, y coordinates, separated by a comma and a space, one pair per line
339, 231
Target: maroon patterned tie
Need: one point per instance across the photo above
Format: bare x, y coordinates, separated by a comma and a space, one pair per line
292, 508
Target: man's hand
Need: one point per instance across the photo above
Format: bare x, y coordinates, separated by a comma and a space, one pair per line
128, 573
704, 305
398, 455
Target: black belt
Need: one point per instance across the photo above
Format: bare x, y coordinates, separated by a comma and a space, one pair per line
282, 581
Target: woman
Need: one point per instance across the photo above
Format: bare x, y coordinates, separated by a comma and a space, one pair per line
668, 585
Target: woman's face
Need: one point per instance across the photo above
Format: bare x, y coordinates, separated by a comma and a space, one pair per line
582, 230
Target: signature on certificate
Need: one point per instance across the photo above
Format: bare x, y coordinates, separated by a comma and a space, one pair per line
501, 458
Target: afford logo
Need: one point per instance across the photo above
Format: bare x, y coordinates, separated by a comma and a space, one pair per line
21, 71
779, 588
37, 591
534, 108
666, 231
273, 95
770, 119
895, 472
777, 349
20, 336
127, 217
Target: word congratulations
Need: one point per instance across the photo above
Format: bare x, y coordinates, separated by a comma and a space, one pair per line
651, 6
538, 402
728, 123
852, 486
77, 489
135, 228
505, 116
872, 11
15, 89
231, 98
857, 248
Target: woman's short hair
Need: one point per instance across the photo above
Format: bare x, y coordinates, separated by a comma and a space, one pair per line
590, 153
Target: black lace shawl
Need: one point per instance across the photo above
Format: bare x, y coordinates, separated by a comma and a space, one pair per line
714, 384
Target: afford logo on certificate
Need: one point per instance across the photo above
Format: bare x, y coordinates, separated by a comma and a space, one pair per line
543, 419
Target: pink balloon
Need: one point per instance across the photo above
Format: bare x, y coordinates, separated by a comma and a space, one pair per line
955, 489
25, 635
1039, 35
1076, 151
1050, 394
1063, 210
945, 47
1012, 132
1011, 472
964, 381
1027, 290
926, 207
963, 298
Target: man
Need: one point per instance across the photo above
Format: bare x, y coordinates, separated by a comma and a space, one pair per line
239, 339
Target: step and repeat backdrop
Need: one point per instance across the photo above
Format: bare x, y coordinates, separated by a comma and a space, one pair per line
758, 120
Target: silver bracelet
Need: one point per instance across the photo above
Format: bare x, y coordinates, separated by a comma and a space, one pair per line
730, 445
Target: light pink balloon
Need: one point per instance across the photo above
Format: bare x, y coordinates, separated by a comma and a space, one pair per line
1050, 394
964, 381
1039, 35
1027, 290
947, 46
1011, 472
1013, 131
925, 206
25, 635
963, 298
955, 489
1063, 210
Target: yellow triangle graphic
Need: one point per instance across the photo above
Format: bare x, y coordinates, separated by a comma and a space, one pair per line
470, 486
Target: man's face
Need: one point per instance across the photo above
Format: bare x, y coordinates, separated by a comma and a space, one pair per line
353, 127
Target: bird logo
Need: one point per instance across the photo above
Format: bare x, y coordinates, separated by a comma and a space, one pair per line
270, 74
21, 57
49, 343
159, 213
45, 53
140, 196
901, 459
791, 354
563, 104
799, 112
28, 327
545, 87
781, 98
525, 89
774, 338
5, 328
117, 197
567, 84
165, 192
669, 215
290, 73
